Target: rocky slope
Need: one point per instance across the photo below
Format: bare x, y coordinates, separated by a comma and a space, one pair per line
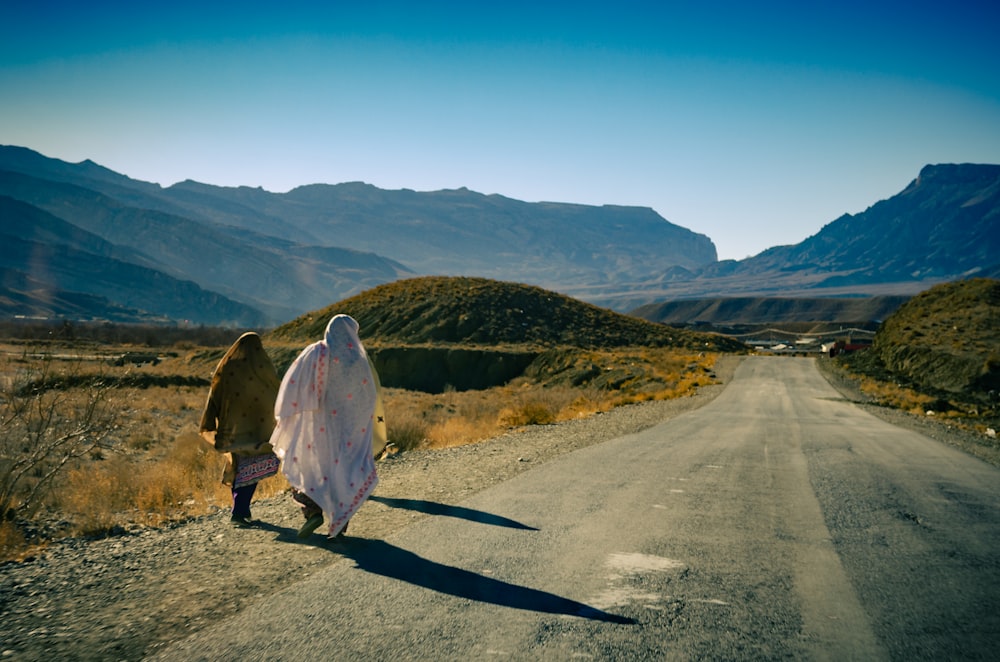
947, 339
943, 226
286, 253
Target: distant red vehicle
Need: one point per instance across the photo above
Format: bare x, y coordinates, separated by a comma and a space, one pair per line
847, 346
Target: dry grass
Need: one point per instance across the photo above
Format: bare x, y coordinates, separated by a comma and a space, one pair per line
469, 311
13, 545
423, 421
898, 397
184, 481
164, 472
890, 390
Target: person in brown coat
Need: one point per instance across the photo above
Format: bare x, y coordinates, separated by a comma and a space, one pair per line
239, 418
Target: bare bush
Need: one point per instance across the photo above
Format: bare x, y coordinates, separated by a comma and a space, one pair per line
46, 428
60, 414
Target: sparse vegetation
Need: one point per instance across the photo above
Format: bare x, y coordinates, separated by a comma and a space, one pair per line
35, 333
937, 356
46, 427
145, 465
159, 470
150, 466
947, 338
476, 312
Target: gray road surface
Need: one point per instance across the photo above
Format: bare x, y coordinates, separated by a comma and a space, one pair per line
777, 522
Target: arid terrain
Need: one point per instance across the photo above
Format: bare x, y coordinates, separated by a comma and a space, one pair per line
125, 596
139, 586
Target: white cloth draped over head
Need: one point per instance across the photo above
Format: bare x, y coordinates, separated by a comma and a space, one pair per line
324, 412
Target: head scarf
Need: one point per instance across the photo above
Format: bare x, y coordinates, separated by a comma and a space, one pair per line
240, 407
325, 411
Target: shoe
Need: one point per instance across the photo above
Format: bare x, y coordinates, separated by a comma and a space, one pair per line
311, 525
241, 521
340, 534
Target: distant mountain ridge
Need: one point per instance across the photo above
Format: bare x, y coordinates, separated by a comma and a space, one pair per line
46, 262
945, 223
461, 232
255, 258
284, 254
944, 226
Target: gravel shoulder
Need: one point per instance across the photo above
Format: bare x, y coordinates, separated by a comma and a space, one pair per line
938, 429
127, 596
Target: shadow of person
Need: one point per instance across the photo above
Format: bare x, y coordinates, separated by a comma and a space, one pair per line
381, 558
290, 535
434, 508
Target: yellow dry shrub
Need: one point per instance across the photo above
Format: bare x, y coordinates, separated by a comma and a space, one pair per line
184, 482
455, 432
531, 412
407, 433
168, 472
272, 486
13, 546
686, 385
896, 396
94, 496
583, 406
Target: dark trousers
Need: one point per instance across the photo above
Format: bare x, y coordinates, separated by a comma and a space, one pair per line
308, 506
241, 500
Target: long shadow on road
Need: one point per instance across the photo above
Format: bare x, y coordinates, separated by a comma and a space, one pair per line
435, 508
381, 558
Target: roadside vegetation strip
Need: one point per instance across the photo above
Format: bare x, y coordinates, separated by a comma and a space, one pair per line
938, 356
878, 387
151, 468
154, 469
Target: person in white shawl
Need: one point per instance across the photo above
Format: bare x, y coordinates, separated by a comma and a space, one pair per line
325, 419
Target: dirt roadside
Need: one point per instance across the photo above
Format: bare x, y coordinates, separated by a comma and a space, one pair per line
127, 596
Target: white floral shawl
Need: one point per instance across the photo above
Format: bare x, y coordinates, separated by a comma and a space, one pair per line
325, 410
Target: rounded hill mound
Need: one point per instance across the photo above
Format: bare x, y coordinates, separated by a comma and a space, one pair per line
483, 312
947, 338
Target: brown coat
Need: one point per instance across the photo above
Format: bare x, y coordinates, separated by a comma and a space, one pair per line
239, 415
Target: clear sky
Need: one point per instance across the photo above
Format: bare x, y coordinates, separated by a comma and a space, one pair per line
754, 123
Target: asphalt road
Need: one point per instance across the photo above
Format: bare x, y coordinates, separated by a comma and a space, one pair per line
778, 521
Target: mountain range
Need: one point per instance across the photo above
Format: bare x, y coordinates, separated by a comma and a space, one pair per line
80, 240
944, 226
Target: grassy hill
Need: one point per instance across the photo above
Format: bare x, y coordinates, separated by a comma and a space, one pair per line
946, 338
481, 312
939, 353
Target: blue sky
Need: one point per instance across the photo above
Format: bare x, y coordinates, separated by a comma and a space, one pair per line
752, 123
